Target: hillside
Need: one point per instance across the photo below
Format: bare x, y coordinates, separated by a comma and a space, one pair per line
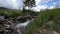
10, 18
48, 22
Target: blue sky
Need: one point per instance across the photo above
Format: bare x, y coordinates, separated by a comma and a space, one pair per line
51, 3
43, 4
40, 4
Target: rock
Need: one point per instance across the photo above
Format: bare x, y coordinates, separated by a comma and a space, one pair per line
2, 18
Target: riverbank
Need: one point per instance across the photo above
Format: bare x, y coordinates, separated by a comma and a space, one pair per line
10, 18
48, 22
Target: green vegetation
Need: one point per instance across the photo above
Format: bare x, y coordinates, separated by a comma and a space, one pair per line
48, 19
15, 13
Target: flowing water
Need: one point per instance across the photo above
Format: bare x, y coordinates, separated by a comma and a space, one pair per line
21, 27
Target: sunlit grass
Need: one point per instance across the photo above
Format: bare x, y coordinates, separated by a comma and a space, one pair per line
48, 19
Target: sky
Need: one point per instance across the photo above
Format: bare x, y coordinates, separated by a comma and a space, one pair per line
12, 4
44, 4
40, 4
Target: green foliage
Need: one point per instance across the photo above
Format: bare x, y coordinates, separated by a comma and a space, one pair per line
29, 3
29, 12
10, 13
48, 19
15, 13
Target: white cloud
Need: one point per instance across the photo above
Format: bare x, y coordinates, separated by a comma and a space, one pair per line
51, 7
16, 4
56, 4
12, 4
38, 8
38, 1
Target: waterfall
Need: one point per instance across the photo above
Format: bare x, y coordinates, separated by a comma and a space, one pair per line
19, 25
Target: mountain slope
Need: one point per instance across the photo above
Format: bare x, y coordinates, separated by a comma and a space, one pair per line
48, 22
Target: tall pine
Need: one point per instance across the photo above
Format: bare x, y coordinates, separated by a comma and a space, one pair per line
29, 4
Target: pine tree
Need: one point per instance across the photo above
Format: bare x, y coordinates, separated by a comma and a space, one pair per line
29, 3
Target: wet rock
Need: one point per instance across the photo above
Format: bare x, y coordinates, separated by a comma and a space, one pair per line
2, 18
8, 25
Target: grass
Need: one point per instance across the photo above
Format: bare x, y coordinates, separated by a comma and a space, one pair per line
48, 19
15, 13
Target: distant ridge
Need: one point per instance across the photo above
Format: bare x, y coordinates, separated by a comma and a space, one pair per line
3, 8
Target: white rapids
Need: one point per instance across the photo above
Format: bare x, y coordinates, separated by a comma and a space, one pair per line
19, 25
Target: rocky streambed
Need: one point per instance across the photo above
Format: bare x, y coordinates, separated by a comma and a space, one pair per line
16, 25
